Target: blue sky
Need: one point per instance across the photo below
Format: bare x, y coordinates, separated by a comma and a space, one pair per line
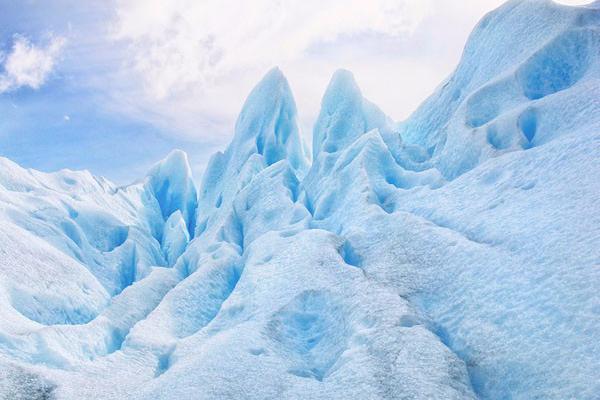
67, 121
113, 86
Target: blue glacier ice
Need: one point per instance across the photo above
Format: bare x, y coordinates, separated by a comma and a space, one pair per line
453, 255
175, 237
170, 182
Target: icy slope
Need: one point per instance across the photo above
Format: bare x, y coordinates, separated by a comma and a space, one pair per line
70, 243
530, 64
451, 256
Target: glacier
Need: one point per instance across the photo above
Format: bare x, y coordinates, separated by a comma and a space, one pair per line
454, 255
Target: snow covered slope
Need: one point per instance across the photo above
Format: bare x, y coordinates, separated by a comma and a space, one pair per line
454, 255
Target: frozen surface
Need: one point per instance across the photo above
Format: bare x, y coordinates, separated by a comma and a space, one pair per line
454, 255
171, 184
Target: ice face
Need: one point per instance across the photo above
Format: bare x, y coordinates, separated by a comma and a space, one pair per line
175, 237
267, 124
526, 69
170, 182
344, 115
266, 134
450, 256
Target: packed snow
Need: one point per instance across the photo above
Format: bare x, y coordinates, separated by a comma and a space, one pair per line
454, 255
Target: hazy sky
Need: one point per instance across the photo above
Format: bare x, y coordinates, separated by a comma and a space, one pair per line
113, 86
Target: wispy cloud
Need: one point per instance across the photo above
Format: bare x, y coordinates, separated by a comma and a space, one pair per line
175, 73
28, 65
181, 43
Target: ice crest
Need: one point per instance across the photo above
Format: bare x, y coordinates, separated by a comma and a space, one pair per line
267, 124
345, 115
170, 182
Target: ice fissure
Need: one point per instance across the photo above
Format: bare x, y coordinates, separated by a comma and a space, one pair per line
449, 256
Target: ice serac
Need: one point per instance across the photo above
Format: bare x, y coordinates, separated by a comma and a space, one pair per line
175, 237
527, 71
170, 182
359, 156
266, 133
268, 124
345, 114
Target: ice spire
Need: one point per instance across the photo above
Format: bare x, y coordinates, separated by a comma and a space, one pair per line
268, 125
266, 132
171, 183
344, 115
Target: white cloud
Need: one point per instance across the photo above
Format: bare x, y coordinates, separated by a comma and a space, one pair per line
27, 64
186, 66
182, 43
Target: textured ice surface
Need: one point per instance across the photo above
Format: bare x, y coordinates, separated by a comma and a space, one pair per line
175, 237
450, 256
170, 182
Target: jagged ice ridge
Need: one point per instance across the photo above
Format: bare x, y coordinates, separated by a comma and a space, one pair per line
453, 255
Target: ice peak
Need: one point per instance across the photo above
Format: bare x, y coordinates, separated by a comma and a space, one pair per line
174, 165
268, 125
274, 75
345, 115
270, 96
342, 88
177, 158
171, 183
